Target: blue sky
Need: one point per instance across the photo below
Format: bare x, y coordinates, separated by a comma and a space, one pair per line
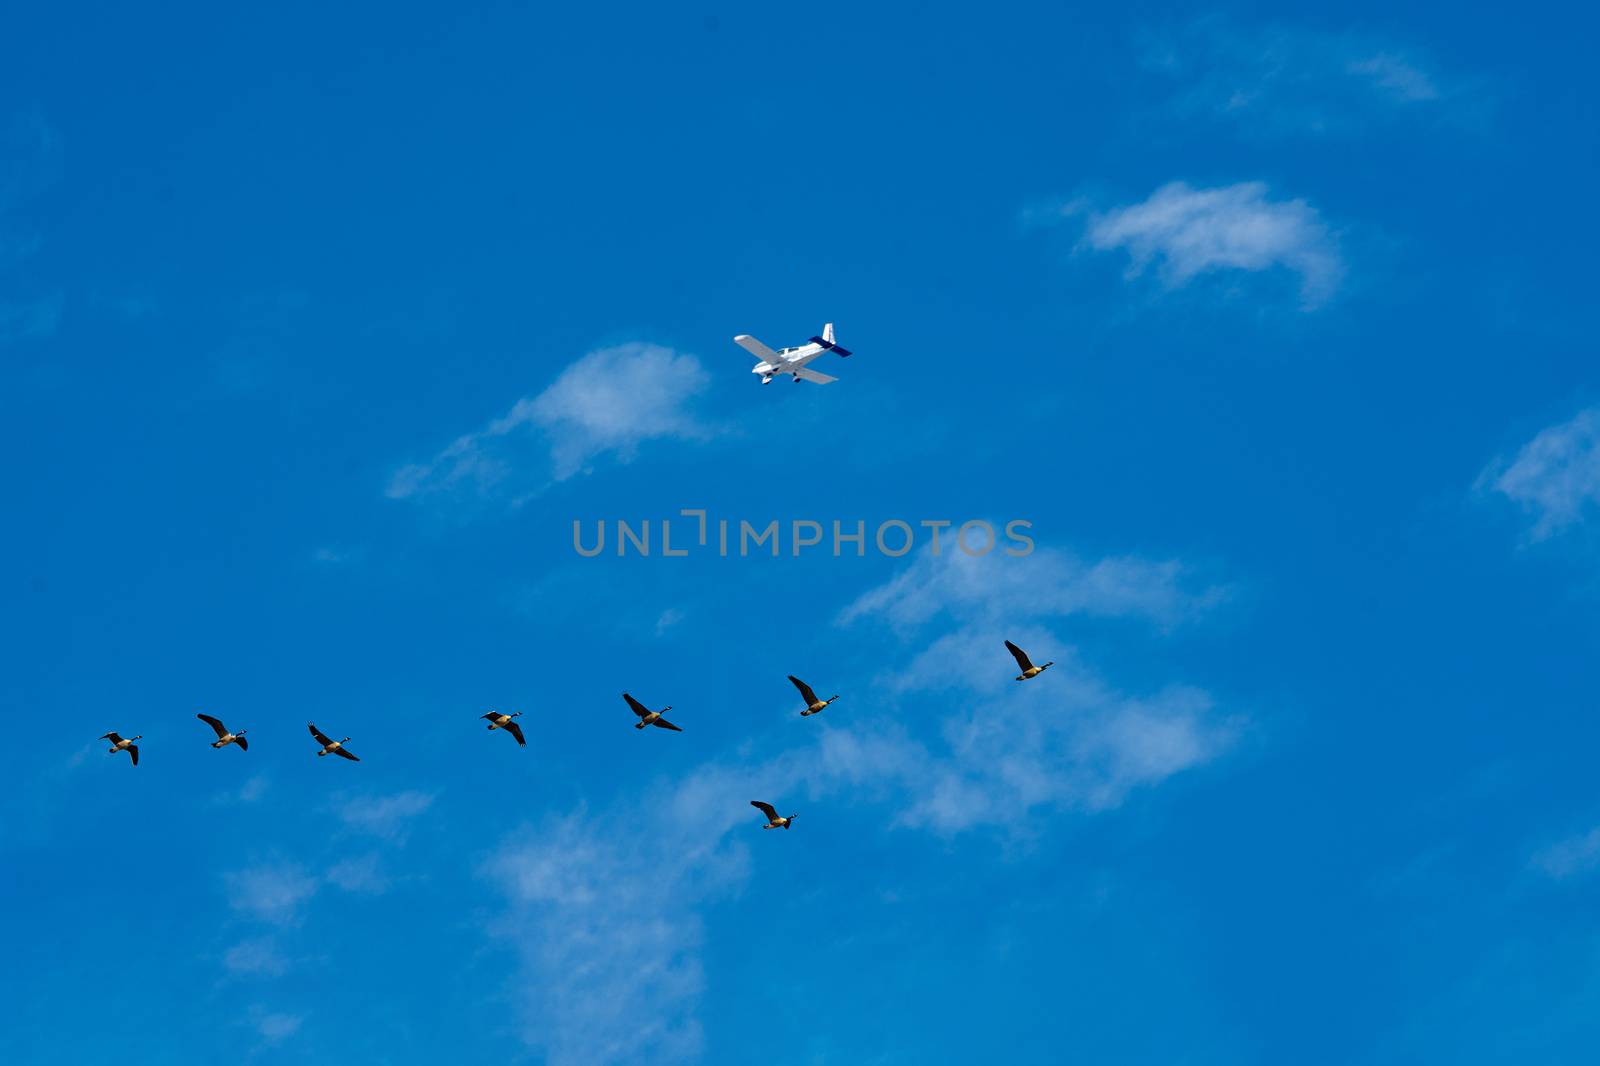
319, 329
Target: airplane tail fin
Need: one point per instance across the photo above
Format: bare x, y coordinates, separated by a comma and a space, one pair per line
826, 340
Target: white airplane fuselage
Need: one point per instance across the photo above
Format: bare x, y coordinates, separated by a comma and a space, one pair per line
789, 360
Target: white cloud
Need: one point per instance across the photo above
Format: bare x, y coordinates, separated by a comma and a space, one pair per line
1397, 76
35, 319
1187, 232
256, 957
384, 816
1570, 857
272, 892
608, 403
362, 873
989, 751
604, 921
597, 901
1046, 582
1279, 80
1556, 476
30, 156
254, 787
275, 891
277, 1027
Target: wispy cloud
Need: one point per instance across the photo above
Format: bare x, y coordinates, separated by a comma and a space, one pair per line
589, 910
1278, 80
271, 892
1555, 477
275, 1027
255, 957
388, 816
1570, 857
275, 891
1396, 75
251, 791
1186, 232
995, 760
30, 319
1047, 582
361, 873
994, 751
30, 154
607, 404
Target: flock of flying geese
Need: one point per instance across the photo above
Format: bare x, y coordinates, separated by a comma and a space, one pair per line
507, 722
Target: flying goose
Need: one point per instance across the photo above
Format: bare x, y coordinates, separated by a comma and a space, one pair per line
773, 821
813, 705
649, 717
223, 736
118, 744
503, 721
1026, 664
330, 747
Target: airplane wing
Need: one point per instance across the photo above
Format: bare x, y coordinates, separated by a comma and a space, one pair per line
756, 348
812, 375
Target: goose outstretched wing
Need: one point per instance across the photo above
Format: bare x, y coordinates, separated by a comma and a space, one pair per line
766, 809
805, 690
215, 724
1021, 656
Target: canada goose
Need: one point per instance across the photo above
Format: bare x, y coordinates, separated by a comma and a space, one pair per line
773, 821
503, 721
330, 747
649, 717
223, 736
118, 744
1026, 664
813, 705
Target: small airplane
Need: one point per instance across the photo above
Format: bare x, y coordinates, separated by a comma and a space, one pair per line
791, 361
